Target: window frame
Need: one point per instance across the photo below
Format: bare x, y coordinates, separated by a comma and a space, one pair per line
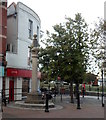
30, 29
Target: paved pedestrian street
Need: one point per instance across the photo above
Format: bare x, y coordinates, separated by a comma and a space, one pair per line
0, 109
91, 107
0, 115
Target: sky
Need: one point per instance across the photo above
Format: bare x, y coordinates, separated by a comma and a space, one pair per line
52, 12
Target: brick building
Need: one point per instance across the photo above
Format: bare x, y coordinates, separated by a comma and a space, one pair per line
3, 38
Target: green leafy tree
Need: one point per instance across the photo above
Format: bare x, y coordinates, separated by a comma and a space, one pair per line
90, 77
67, 51
98, 48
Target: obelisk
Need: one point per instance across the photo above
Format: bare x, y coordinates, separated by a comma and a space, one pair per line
34, 96
34, 86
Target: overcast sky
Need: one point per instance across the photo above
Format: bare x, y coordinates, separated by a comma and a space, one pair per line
52, 12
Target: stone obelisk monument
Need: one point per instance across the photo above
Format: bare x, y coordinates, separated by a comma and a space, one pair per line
34, 96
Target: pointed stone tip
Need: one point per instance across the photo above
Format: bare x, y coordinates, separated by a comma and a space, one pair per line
35, 36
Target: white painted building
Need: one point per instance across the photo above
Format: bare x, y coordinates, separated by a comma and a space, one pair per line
22, 23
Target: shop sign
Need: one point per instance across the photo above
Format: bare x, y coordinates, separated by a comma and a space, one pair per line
14, 72
1, 71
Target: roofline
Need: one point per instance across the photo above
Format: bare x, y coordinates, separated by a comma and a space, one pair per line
13, 3
30, 9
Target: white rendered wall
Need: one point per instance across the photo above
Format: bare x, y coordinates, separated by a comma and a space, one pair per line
7, 87
18, 86
24, 14
0, 85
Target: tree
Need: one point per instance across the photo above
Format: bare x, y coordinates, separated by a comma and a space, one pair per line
98, 48
67, 51
90, 77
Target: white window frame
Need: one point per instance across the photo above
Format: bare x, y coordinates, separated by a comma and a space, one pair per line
30, 29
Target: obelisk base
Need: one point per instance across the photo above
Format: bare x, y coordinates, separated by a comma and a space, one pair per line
34, 98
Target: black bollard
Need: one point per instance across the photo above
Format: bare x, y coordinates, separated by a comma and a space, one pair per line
61, 96
83, 92
98, 92
47, 106
78, 97
3, 98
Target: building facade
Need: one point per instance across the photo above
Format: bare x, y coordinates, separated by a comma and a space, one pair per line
22, 24
3, 37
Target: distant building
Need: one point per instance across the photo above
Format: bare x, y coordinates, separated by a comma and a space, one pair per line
3, 37
22, 23
100, 82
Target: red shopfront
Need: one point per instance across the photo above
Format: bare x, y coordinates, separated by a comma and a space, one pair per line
13, 73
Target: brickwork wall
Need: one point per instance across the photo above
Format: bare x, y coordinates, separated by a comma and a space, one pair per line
3, 27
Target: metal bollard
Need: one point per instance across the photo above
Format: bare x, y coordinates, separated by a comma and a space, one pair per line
3, 98
83, 92
98, 93
47, 100
61, 94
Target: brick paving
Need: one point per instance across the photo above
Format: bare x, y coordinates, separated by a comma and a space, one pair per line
0, 115
0, 110
90, 108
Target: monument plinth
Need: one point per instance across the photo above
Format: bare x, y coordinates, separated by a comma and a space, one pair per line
34, 96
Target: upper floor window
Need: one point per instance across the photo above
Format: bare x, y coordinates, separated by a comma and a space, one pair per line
30, 29
2, 3
8, 47
11, 48
29, 56
38, 33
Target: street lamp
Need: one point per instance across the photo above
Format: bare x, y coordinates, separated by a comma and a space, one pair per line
102, 90
47, 63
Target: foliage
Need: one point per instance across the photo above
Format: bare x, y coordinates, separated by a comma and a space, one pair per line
90, 77
98, 47
67, 50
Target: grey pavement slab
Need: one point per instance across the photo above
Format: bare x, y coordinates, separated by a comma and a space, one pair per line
0, 115
90, 108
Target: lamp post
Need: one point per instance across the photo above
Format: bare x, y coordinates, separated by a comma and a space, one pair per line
47, 63
102, 90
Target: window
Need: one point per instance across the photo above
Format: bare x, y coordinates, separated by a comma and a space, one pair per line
8, 47
11, 48
38, 33
30, 29
29, 56
3, 3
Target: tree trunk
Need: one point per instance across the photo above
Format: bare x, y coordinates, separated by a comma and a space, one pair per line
71, 91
